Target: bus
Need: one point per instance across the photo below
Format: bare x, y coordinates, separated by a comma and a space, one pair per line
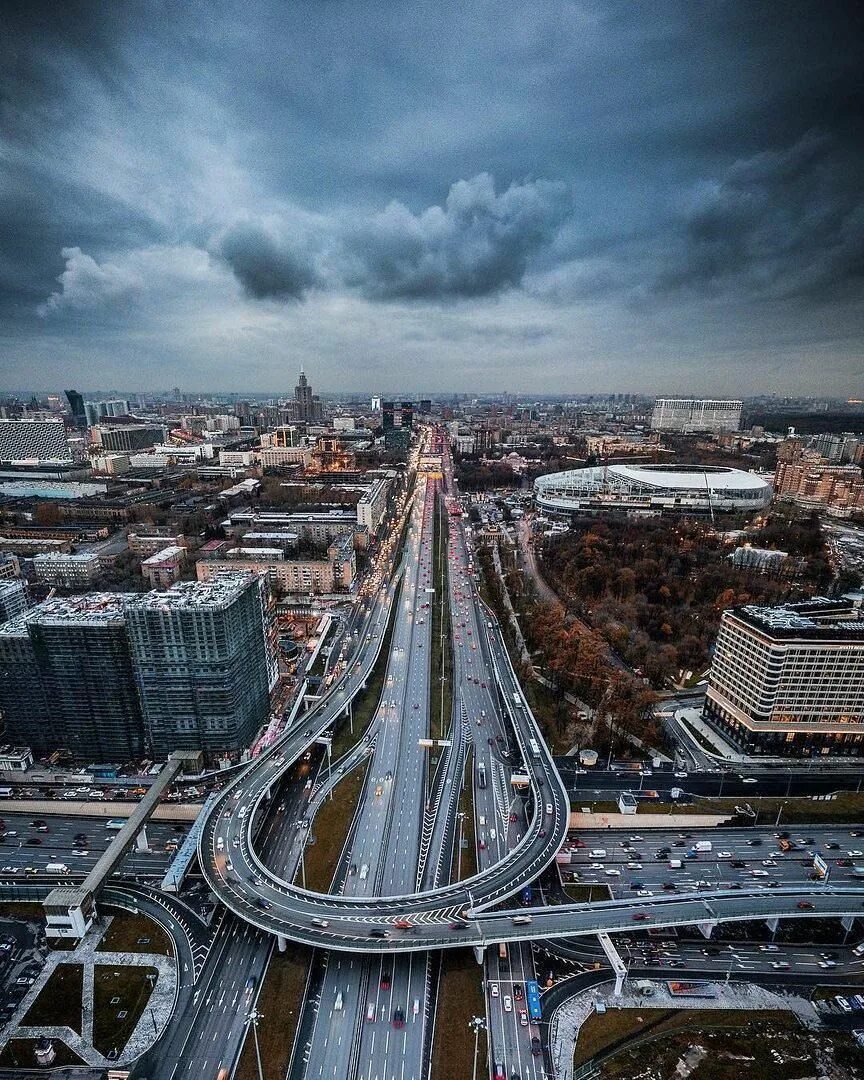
502, 954
532, 996
535, 747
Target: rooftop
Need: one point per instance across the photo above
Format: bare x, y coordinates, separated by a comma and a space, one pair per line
818, 619
218, 591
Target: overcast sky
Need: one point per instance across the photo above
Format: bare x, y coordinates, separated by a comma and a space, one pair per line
540, 196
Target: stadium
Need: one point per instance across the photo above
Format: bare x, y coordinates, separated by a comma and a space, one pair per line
651, 489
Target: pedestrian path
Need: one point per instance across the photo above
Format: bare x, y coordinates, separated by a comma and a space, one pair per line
152, 1021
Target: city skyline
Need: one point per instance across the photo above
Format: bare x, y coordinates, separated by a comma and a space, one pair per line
582, 197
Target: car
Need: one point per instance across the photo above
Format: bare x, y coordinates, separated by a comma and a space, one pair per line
260, 902
680, 775
832, 845
493, 989
523, 1018
370, 1011
385, 980
610, 872
724, 854
535, 1045
756, 841
739, 864
804, 905
634, 865
32, 841
80, 851
644, 892
855, 854
379, 791
352, 869
398, 1017
641, 916
377, 932
825, 964
759, 873
749, 780
517, 991
508, 1003
780, 965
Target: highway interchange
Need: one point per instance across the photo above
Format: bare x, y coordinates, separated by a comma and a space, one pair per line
405, 887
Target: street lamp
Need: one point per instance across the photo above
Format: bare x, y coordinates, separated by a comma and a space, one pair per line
252, 1019
478, 1023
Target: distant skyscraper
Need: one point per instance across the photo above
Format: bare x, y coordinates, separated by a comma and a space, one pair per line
25, 440
307, 408
76, 407
388, 415
204, 663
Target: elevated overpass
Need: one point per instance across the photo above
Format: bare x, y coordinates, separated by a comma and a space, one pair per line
69, 911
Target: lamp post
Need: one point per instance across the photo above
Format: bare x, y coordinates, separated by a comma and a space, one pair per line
252, 1019
478, 1023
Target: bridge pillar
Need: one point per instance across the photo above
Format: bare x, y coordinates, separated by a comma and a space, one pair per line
847, 922
706, 929
141, 839
478, 954
281, 942
772, 925
268, 793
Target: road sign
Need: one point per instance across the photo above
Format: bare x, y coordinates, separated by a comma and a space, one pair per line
821, 867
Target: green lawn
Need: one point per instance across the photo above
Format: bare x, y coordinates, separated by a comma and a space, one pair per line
460, 996
329, 828
133, 933
120, 995
59, 1000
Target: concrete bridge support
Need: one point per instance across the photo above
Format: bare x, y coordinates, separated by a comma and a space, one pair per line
141, 842
281, 942
479, 952
706, 929
772, 925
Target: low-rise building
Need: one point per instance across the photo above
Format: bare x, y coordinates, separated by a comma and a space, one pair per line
312, 576
165, 567
274, 457
147, 542
67, 571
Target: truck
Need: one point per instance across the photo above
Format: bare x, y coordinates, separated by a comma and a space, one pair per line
703, 845
56, 868
674, 864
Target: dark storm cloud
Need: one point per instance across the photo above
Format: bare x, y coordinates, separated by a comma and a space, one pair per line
241, 164
266, 267
783, 223
477, 244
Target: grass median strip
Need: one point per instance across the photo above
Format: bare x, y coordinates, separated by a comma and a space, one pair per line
329, 829
460, 999
279, 1005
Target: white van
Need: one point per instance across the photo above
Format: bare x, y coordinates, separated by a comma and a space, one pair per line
364, 871
57, 868
482, 819
337, 1005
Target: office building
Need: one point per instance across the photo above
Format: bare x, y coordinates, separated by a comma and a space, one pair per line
688, 416
66, 679
275, 457
76, 408
94, 411
789, 680
13, 599
33, 440
128, 438
205, 663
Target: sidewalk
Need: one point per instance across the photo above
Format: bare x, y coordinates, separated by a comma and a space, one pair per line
569, 1018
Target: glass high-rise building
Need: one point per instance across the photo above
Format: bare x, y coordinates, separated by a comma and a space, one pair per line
205, 663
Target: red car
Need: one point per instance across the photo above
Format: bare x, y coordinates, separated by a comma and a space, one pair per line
385, 980
805, 905
640, 916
